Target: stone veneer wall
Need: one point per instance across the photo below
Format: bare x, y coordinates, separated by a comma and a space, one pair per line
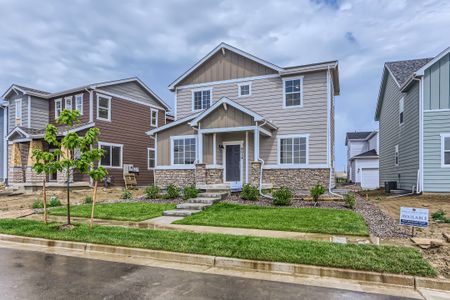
214, 176
32, 177
179, 178
297, 179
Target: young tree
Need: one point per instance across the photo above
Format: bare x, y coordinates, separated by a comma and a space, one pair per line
97, 175
70, 145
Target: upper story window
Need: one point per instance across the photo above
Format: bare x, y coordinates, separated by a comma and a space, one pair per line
68, 103
79, 103
293, 92
397, 160
18, 107
401, 110
183, 150
244, 89
113, 154
153, 117
151, 158
445, 153
58, 108
293, 149
201, 99
103, 107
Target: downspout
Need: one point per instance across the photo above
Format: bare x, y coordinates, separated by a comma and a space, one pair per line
261, 171
419, 182
5, 143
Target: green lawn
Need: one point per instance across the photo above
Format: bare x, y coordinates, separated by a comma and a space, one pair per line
390, 259
124, 211
317, 220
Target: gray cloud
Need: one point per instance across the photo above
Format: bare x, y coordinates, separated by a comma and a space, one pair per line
59, 44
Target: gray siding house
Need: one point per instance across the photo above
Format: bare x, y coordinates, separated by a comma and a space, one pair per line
3, 143
413, 111
240, 119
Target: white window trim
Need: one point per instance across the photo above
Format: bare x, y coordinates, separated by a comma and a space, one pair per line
71, 102
396, 156
59, 100
152, 110
287, 136
148, 158
443, 137
78, 96
301, 92
100, 144
109, 107
401, 109
201, 90
16, 117
249, 89
179, 137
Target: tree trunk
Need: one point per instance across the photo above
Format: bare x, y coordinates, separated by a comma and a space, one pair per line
68, 196
94, 197
44, 195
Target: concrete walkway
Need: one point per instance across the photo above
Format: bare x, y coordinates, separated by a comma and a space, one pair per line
165, 223
15, 214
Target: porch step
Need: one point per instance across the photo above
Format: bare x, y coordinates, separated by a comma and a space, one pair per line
193, 206
180, 212
204, 200
221, 195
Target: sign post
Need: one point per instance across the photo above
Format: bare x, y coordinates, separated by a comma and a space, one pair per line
414, 217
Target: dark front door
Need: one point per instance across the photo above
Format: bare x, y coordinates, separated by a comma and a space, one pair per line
233, 163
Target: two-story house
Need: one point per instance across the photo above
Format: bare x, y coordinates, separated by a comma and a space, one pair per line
240, 119
123, 110
414, 116
362, 158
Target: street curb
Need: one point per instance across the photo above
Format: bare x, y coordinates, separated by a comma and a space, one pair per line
242, 264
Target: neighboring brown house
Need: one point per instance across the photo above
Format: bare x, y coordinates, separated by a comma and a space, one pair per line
123, 110
236, 114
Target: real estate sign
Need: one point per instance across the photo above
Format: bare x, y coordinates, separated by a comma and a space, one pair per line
415, 217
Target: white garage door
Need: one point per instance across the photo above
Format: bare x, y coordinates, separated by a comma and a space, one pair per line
369, 178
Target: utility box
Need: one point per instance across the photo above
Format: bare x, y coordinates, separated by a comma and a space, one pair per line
390, 185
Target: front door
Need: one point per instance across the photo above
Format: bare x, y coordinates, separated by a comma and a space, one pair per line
233, 165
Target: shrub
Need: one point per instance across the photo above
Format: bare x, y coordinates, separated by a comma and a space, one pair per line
316, 191
282, 196
88, 200
249, 192
350, 200
126, 194
439, 216
172, 192
54, 201
152, 192
37, 204
190, 192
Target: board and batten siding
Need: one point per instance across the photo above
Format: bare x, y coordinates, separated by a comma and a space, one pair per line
267, 100
437, 85
406, 136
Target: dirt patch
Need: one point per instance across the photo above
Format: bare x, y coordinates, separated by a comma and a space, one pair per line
439, 258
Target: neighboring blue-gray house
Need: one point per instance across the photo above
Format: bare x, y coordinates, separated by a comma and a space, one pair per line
414, 115
3, 143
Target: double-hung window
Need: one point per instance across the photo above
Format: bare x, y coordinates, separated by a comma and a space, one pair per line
293, 149
68, 103
58, 108
103, 108
153, 117
445, 146
112, 156
293, 92
151, 158
183, 150
244, 89
397, 156
18, 108
201, 99
79, 103
401, 110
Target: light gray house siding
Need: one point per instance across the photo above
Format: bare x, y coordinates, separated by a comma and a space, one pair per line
131, 90
2, 141
406, 136
39, 112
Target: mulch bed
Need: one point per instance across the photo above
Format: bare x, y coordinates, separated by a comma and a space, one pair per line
379, 223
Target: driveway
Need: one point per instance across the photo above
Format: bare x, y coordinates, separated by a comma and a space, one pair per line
36, 275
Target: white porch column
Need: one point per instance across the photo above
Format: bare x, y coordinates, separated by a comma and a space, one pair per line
200, 145
214, 150
246, 157
256, 148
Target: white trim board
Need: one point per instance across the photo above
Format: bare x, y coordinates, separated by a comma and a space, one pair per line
171, 149
109, 107
228, 81
292, 136
121, 97
443, 137
121, 154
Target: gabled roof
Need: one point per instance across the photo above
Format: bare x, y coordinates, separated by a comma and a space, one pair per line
226, 101
421, 71
172, 124
47, 95
359, 136
39, 133
368, 154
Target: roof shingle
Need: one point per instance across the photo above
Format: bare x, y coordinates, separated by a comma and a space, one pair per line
403, 69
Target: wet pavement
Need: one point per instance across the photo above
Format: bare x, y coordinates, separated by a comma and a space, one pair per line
36, 275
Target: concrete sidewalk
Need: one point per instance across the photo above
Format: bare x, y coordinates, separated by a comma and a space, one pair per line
165, 223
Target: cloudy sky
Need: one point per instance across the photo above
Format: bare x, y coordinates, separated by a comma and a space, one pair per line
54, 45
